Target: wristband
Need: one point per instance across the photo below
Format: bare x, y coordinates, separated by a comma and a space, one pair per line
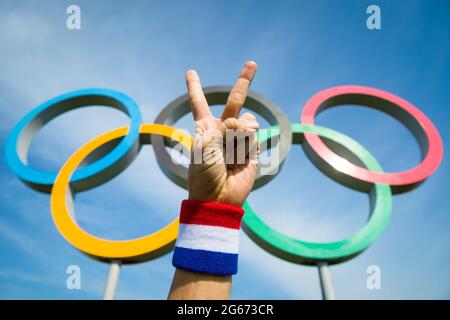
208, 237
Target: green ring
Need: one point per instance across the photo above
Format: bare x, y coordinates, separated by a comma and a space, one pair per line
309, 253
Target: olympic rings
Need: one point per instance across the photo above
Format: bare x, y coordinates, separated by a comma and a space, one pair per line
21, 136
310, 253
218, 95
415, 120
109, 154
127, 251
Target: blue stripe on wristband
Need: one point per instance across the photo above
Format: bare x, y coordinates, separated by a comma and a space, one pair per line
208, 237
211, 262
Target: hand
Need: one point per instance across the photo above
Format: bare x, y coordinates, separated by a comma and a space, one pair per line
217, 176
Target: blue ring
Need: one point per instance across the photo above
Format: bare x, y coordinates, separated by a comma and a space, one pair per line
23, 133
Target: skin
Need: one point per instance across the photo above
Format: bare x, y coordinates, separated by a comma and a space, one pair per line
219, 180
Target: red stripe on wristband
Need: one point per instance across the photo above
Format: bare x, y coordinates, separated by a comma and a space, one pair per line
211, 214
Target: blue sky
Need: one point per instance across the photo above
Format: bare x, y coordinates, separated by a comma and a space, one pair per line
143, 48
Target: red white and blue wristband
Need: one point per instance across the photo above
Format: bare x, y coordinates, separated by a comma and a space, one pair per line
208, 237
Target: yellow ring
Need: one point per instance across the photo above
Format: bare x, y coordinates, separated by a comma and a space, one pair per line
133, 250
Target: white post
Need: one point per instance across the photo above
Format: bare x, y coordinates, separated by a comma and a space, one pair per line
112, 280
325, 281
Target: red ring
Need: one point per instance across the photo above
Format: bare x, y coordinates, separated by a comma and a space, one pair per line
411, 177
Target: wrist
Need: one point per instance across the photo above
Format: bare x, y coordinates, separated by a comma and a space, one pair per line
208, 238
219, 199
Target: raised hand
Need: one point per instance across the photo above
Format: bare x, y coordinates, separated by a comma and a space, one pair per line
225, 153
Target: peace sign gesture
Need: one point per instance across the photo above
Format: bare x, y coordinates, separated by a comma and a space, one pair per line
225, 152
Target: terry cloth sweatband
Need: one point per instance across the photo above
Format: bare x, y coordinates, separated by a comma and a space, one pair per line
208, 237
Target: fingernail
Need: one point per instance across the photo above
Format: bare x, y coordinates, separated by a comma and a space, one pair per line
191, 73
252, 124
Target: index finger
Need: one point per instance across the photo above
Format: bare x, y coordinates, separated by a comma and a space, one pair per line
197, 99
238, 94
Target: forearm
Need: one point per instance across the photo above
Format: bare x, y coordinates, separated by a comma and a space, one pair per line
192, 285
